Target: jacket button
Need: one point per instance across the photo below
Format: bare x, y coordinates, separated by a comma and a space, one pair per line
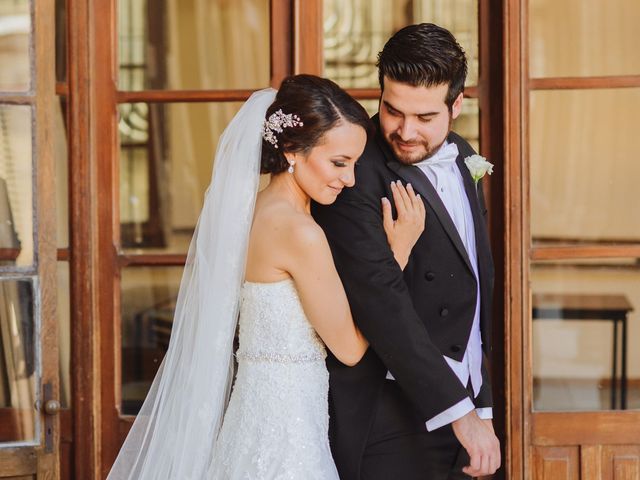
430, 276
444, 312
456, 348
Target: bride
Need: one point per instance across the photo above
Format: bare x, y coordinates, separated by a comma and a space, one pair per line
261, 258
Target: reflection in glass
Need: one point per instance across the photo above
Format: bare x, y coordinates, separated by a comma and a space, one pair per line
15, 30
193, 45
371, 106
577, 306
583, 38
63, 315
16, 206
584, 166
62, 173
61, 40
467, 124
166, 156
148, 300
18, 362
356, 30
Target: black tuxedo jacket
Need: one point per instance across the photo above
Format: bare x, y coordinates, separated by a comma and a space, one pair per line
410, 318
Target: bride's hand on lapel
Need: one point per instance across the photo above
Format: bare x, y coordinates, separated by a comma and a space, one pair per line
403, 233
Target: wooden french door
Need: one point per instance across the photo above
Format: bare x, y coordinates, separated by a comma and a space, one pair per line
167, 77
29, 387
152, 85
573, 239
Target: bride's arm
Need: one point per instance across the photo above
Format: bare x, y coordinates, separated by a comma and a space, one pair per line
403, 233
323, 298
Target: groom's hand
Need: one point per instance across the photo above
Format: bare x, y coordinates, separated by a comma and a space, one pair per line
480, 442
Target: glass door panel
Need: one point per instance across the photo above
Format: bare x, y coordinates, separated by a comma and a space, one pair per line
177, 45
15, 43
19, 362
356, 30
586, 334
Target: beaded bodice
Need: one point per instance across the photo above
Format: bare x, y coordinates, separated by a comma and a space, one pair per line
273, 326
276, 426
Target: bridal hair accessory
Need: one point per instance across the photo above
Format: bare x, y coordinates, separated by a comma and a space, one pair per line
276, 122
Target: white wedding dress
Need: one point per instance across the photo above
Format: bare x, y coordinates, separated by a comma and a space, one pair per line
276, 423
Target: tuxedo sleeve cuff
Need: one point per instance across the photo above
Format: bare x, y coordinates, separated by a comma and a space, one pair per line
451, 414
485, 413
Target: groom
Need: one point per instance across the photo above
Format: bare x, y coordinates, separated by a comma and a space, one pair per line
418, 405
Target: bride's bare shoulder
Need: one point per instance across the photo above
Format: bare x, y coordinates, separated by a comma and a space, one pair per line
291, 227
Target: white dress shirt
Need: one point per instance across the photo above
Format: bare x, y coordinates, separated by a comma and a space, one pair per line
445, 176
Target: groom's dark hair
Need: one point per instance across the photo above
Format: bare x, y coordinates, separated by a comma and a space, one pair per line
321, 105
424, 55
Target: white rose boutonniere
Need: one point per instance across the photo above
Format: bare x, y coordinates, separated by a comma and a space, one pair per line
478, 166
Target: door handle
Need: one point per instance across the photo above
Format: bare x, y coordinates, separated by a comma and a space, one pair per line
52, 407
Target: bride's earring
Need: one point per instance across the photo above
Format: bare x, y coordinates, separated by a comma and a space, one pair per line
291, 164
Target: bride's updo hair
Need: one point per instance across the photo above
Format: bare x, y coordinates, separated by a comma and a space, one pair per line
320, 105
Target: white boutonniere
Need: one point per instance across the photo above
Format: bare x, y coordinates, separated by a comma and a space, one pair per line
478, 166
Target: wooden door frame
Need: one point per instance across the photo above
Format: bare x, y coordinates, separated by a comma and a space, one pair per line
529, 429
95, 262
515, 235
41, 460
495, 144
98, 428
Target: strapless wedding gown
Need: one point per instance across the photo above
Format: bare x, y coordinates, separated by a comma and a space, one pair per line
276, 424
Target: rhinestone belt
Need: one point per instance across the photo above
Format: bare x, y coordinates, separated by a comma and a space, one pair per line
280, 357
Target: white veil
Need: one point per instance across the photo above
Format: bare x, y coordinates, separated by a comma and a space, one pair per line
174, 433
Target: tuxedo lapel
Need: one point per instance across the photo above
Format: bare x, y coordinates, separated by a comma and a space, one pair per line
472, 194
421, 183
482, 237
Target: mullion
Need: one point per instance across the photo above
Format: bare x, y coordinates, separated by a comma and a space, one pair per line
183, 96
17, 99
577, 83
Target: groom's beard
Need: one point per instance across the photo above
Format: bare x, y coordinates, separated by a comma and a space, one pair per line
411, 158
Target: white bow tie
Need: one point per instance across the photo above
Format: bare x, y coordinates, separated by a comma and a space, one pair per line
445, 156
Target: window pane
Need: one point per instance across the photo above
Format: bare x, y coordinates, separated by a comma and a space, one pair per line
61, 40
18, 362
356, 30
577, 306
468, 122
583, 38
64, 332
148, 300
60, 152
584, 166
16, 206
166, 158
15, 29
193, 45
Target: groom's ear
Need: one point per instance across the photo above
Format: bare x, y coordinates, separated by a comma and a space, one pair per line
456, 108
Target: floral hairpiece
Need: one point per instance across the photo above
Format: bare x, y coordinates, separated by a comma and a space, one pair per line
276, 122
